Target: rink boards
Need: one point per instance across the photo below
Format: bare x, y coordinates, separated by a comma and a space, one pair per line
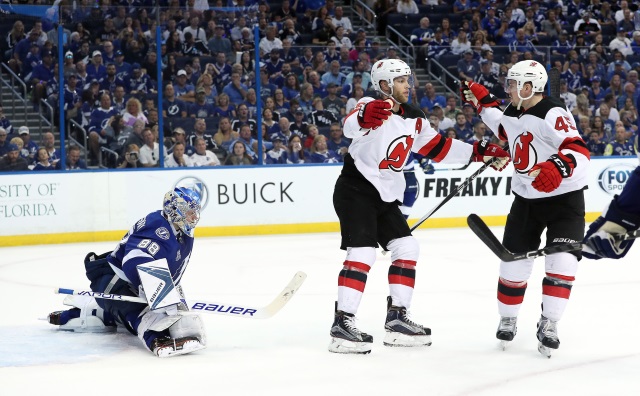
61, 207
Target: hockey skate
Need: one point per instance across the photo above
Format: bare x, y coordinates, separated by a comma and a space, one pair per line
85, 317
346, 337
548, 336
506, 330
167, 346
402, 331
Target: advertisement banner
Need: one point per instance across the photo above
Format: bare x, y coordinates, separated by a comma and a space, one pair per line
258, 200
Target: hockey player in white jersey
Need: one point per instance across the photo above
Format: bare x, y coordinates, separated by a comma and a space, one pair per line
148, 262
550, 161
366, 198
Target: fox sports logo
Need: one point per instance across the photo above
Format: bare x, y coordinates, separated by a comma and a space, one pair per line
196, 185
614, 177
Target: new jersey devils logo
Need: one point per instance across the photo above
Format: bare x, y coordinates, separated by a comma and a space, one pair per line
397, 153
525, 155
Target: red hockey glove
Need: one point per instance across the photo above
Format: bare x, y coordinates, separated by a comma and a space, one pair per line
373, 114
549, 174
477, 95
484, 151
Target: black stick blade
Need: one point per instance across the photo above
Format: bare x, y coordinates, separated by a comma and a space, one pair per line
486, 236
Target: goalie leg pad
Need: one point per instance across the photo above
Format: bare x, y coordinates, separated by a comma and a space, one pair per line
155, 331
189, 325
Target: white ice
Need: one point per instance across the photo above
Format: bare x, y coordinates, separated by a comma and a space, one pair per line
455, 295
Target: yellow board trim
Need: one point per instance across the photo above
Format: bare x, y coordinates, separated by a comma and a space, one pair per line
271, 229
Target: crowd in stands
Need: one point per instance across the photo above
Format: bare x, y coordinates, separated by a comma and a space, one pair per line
595, 45
314, 67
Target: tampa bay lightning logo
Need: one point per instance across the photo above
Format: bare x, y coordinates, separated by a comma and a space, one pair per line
162, 233
173, 110
196, 185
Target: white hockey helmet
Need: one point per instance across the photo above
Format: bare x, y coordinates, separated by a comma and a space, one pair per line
528, 71
387, 70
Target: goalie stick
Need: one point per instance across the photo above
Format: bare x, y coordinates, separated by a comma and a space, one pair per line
218, 308
483, 232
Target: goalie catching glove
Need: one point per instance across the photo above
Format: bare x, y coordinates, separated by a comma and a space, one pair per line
549, 174
373, 114
599, 239
484, 151
477, 95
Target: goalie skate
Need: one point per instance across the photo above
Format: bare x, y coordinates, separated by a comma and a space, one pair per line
402, 331
346, 337
506, 330
547, 336
85, 317
166, 346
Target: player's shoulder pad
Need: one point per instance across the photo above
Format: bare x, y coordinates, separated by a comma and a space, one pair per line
411, 111
546, 105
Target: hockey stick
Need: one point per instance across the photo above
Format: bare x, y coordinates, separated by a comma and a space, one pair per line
217, 308
554, 82
453, 193
484, 233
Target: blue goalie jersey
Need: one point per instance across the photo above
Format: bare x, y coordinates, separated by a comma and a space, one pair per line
152, 238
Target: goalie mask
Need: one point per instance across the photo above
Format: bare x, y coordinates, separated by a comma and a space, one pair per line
527, 71
181, 206
388, 70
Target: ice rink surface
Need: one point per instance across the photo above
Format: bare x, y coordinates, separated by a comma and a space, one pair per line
287, 354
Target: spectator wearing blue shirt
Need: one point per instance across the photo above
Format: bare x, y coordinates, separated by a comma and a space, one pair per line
468, 67
321, 154
463, 130
506, 34
110, 81
29, 148
4, 142
173, 107
438, 45
490, 23
319, 88
235, 89
123, 69
573, 75
430, 98
562, 45
100, 116
337, 142
5, 123
423, 34
41, 75
32, 60
620, 145
183, 88
595, 145
596, 93
221, 71
137, 83
334, 75
521, 44
95, 68
200, 108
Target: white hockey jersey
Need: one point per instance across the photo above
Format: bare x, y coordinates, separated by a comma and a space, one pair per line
536, 134
380, 154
